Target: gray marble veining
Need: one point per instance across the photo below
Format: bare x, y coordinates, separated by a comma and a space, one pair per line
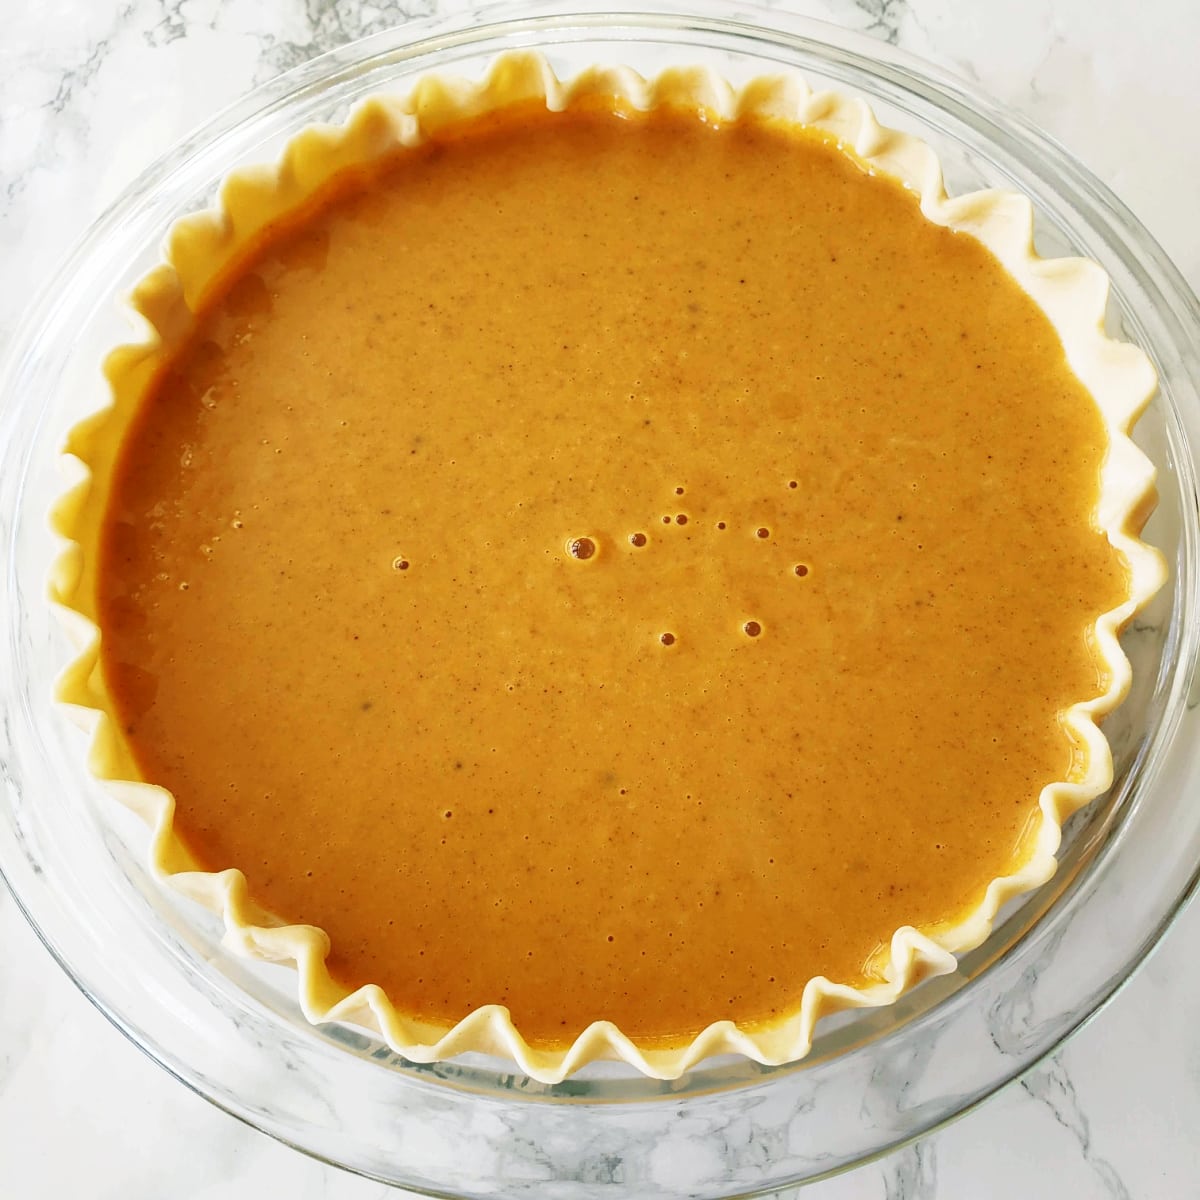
1051, 1085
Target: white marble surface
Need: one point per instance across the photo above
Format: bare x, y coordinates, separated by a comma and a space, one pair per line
91, 91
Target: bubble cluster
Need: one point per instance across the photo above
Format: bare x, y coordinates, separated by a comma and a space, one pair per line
584, 547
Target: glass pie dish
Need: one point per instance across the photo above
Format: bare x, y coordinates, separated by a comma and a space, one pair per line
470, 1127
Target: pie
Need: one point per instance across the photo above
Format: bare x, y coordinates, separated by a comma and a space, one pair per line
608, 568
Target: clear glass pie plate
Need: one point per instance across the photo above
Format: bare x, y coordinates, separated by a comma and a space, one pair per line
233, 1030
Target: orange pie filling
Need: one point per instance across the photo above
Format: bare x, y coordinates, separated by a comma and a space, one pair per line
611, 565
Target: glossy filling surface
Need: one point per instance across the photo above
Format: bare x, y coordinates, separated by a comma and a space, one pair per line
614, 568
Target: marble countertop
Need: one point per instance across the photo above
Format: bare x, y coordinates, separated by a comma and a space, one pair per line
90, 92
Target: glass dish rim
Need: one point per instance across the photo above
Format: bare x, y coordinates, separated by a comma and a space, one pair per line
276, 93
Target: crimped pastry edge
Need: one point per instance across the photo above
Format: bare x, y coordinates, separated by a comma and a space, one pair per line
1072, 292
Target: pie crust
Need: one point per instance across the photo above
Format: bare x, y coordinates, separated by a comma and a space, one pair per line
1072, 292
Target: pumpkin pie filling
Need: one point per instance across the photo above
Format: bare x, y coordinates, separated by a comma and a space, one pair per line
611, 565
